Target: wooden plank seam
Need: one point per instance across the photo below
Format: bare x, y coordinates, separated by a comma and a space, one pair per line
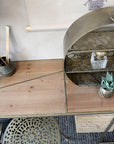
30, 79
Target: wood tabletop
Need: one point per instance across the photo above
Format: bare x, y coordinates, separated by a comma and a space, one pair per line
36, 88
41, 88
85, 99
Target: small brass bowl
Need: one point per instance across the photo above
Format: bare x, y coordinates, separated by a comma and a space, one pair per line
7, 70
105, 93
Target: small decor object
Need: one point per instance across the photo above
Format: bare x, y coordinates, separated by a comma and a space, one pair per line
36, 130
107, 86
99, 60
7, 67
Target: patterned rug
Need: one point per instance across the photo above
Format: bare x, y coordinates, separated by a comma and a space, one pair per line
67, 126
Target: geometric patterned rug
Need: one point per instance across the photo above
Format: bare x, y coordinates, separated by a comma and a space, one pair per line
67, 126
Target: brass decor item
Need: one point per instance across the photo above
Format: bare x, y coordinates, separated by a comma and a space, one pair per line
105, 93
107, 86
37, 130
89, 47
7, 67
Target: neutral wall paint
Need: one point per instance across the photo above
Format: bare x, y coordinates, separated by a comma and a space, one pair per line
27, 45
33, 45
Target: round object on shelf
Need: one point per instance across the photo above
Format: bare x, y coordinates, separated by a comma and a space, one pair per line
6, 69
105, 93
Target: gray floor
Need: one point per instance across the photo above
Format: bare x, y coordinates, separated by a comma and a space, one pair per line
67, 126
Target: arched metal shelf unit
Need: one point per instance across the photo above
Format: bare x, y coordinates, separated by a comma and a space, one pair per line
93, 32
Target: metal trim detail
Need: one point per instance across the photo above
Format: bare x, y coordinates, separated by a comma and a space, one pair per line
87, 23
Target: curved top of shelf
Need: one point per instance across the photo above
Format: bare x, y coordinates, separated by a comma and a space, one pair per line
95, 41
88, 23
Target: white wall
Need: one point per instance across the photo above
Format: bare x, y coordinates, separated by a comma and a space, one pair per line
29, 45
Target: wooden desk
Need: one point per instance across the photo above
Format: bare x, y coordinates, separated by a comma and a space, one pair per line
40, 88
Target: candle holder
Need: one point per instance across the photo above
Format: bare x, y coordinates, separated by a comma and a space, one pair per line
6, 69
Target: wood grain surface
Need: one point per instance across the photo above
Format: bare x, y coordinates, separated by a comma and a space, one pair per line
86, 99
37, 88
42, 93
27, 70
